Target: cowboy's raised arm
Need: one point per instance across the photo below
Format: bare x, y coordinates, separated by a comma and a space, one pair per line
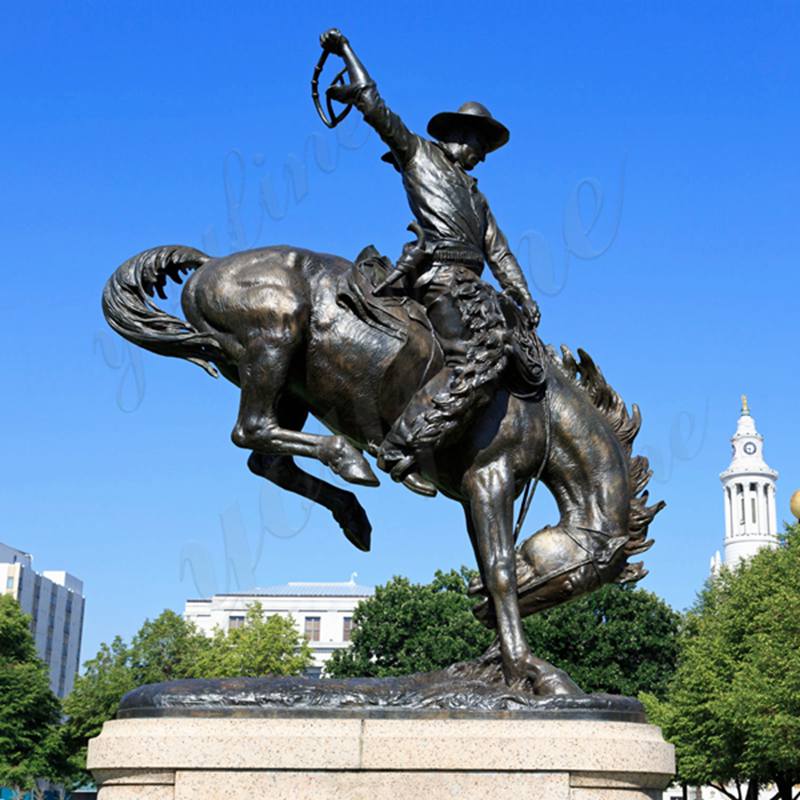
506, 268
363, 94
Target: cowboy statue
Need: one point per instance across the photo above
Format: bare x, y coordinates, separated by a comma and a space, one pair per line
428, 368
461, 234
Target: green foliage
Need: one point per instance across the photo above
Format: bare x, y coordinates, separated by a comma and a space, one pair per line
408, 627
271, 646
619, 639
615, 640
166, 649
16, 641
733, 708
30, 747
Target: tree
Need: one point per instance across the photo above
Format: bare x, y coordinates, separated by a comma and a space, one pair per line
408, 627
618, 639
271, 646
166, 649
30, 746
733, 706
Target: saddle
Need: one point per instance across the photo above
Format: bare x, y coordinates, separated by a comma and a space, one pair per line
393, 309
390, 311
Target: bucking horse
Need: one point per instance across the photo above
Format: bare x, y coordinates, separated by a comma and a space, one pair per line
286, 326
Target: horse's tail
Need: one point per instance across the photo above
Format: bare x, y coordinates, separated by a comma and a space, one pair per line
131, 312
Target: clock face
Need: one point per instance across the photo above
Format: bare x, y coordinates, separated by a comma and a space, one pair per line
750, 448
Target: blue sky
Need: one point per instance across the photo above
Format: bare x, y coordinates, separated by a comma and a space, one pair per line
650, 190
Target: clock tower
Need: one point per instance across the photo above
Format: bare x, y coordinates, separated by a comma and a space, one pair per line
748, 491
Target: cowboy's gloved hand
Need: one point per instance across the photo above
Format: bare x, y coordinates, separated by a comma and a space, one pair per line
531, 309
333, 41
528, 305
343, 93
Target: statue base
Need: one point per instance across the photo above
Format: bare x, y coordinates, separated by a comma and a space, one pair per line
593, 747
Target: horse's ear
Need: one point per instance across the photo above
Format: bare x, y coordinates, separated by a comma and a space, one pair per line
368, 252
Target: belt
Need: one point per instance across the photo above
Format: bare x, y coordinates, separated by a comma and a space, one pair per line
458, 255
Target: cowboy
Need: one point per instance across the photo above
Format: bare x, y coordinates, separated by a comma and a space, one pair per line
461, 234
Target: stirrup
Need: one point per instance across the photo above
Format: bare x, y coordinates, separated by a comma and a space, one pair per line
397, 463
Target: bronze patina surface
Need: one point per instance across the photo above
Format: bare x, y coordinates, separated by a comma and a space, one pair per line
443, 380
435, 695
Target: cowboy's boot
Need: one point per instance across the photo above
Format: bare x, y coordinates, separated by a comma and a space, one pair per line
394, 458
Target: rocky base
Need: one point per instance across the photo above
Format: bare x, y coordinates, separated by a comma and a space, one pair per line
449, 692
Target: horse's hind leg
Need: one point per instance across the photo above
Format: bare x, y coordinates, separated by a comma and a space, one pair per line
263, 371
283, 472
490, 508
346, 510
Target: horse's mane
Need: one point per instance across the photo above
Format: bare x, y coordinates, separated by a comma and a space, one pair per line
625, 426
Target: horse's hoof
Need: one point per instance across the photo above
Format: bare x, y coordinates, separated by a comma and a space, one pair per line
355, 525
556, 682
360, 538
357, 470
420, 485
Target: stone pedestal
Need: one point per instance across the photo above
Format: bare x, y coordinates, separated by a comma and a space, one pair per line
424, 756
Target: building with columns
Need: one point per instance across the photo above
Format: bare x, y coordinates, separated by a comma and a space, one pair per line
54, 600
322, 612
748, 492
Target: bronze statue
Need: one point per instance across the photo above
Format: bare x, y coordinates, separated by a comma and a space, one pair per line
424, 367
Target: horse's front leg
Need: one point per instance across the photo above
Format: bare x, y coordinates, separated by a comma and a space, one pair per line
490, 492
263, 370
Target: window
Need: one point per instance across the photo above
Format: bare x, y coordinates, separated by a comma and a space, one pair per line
347, 628
10, 582
37, 590
312, 629
235, 622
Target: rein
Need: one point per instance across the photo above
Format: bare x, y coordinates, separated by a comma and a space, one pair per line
533, 483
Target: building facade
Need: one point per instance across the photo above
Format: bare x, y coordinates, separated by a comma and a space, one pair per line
322, 612
55, 602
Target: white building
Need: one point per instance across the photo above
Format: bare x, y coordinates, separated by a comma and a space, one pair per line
748, 487
54, 600
322, 612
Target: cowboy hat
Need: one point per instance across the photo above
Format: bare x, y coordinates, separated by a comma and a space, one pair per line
474, 115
